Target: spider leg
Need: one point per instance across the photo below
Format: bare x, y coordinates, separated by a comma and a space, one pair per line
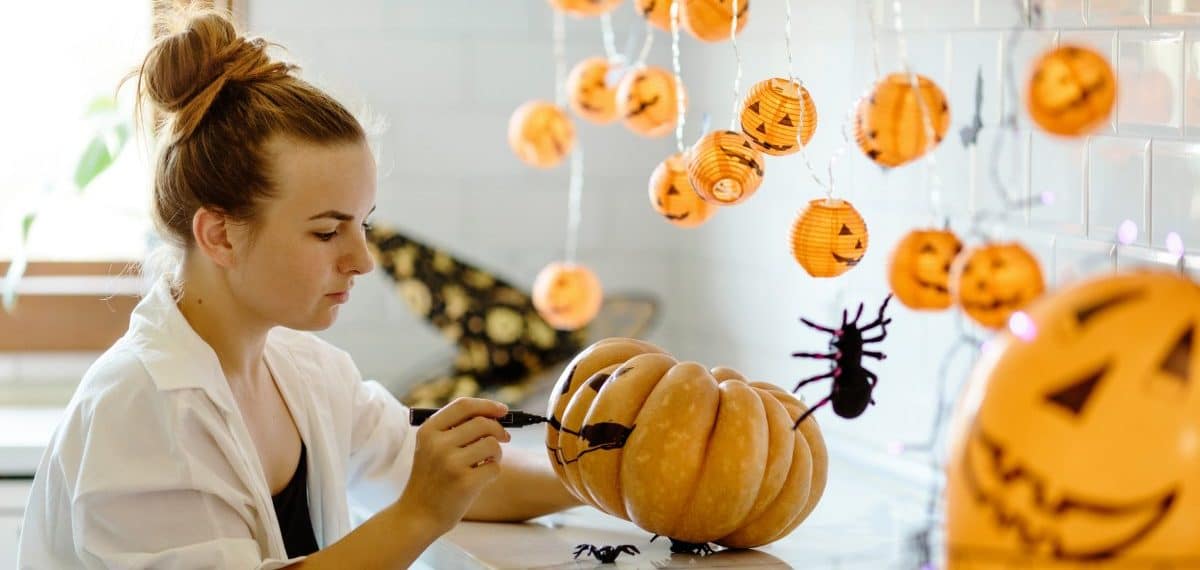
630, 549
831, 374
815, 355
882, 335
582, 548
874, 354
858, 315
844, 317
818, 327
877, 323
810, 411
871, 375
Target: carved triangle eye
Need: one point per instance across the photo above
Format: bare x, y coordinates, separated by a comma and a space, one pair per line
1073, 397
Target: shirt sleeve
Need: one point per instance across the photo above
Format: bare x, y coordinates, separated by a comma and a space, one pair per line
382, 445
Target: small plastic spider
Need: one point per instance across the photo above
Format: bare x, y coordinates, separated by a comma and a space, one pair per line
681, 547
852, 384
606, 554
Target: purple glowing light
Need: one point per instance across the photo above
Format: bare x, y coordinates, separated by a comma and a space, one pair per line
1022, 326
1047, 198
1174, 244
1127, 232
895, 448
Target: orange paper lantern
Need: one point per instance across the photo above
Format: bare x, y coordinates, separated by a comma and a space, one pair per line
672, 195
1075, 445
568, 296
584, 8
991, 281
588, 91
709, 20
646, 101
889, 124
657, 12
724, 168
829, 237
1072, 91
774, 116
919, 271
541, 134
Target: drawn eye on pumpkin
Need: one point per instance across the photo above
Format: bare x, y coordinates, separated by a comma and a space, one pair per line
672, 196
646, 101
845, 231
1073, 397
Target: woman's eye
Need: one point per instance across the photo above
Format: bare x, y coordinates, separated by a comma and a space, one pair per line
325, 236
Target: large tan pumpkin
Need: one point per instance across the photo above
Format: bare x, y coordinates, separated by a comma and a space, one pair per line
681, 451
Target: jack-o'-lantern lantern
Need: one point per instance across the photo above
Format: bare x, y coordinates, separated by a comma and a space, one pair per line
585, 8
588, 91
540, 134
773, 114
724, 168
711, 457
889, 123
991, 281
646, 101
1077, 443
672, 195
1072, 91
919, 271
657, 12
709, 20
829, 237
567, 296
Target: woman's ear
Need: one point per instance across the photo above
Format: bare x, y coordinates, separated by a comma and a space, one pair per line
210, 229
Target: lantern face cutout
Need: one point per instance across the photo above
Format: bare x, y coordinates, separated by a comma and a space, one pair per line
829, 237
919, 270
657, 12
712, 457
672, 195
588, 93
585, 8
646, 101
540, 134
992, 281
724, 168
889, 124
1084, 430
1072, 91
567, 296
709, 20
774, 112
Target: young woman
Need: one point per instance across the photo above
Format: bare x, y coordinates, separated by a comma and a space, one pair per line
213, 434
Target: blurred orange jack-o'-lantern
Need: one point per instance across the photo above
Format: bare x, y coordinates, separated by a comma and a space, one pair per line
773, 114
583, 8
588, 91
568, 296
724, 168
1076, 443
890, 121
991, 281
829, 237
657, 12
919, 272
541, 134
709, 20
1072, 91
672, 195
646, 101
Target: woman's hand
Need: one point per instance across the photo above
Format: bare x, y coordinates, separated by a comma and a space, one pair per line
458, 453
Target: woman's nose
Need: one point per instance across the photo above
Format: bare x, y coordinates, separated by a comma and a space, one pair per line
359, 259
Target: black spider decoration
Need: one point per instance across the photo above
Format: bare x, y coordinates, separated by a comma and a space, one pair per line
606, 554
681, 547
852, 384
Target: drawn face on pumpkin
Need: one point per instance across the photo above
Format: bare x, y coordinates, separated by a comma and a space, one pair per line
919, 273
567, 296
724, 168
584, 8
540, 134
890, 122
657, 12
1072, 91
1081, 443
992, 281
672, 195
709, 20
829, 237
646, 101
588, 92
775, 111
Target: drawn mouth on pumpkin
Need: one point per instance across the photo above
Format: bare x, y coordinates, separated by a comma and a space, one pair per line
996, 305
1065, 527
935, 286
642, 106
767, 145
851, 261
677, 217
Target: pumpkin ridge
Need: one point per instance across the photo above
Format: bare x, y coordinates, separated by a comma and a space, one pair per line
704, 455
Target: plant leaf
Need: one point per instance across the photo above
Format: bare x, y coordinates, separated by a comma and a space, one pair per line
95, 159
101, 105
26, 224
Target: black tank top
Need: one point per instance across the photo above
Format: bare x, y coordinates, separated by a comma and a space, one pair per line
291, 508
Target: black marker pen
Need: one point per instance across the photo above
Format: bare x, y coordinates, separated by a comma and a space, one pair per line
514, 418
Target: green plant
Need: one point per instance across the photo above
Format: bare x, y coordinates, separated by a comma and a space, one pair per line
110, 133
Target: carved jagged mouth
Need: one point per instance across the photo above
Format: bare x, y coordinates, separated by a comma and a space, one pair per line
847, 260
1066, 527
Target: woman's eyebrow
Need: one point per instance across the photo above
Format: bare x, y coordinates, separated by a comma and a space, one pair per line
340, 216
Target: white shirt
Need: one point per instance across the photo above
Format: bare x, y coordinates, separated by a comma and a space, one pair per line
153, 466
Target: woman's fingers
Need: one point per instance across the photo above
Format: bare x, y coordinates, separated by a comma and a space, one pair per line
474, 429
462, 410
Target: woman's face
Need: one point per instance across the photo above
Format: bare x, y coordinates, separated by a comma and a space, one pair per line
308, 242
